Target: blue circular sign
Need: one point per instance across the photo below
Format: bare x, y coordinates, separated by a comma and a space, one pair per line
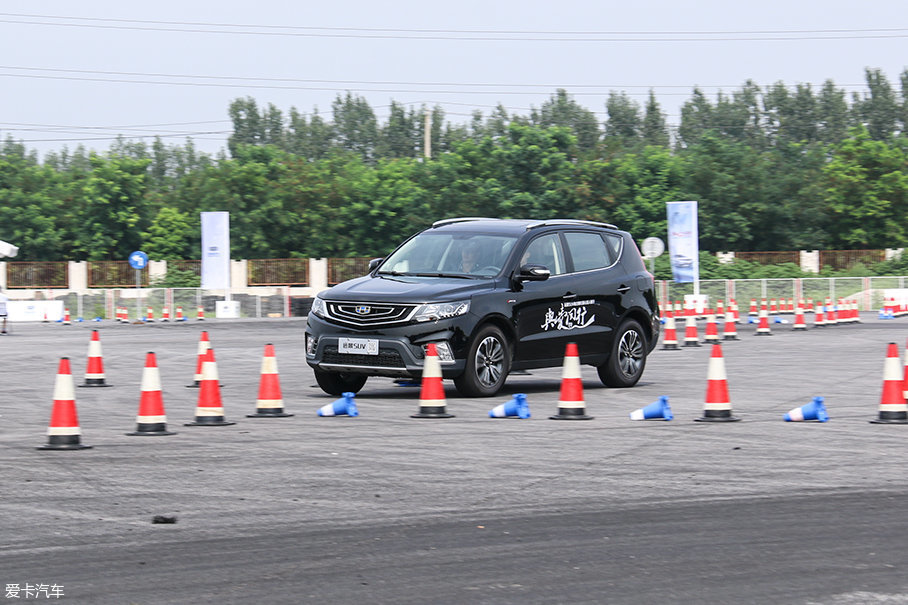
138, 260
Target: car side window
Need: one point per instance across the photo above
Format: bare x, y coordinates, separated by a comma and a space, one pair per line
588, 251
546, 250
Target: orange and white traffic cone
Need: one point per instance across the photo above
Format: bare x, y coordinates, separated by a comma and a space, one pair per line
893, 409
63, 432
151, 420
670, 334
94, 370
149, 314
734, 310
179, 316
691, 339
718, 404
165, 314
819, 318
270, 402
831, 313
204, 345
571, 405
763, 327
731, 330
210, 409
906, 373
432, 403
200, 313
66, 317
799, 318
712, 328
753, 307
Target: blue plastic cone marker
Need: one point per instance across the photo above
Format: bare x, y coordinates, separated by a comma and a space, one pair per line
516, 407
815, 410
345, 406
657, 410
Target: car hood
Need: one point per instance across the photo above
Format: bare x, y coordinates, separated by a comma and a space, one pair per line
407, 289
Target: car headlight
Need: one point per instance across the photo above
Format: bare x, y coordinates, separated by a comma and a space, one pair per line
318, 307
436, 311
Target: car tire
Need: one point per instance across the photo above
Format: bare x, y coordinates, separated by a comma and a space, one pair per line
627, 359
487, 366
338, 383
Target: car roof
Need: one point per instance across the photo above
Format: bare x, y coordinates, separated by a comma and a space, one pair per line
509, 226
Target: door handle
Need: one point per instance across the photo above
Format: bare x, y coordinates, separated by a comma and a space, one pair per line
569, 296
622, 289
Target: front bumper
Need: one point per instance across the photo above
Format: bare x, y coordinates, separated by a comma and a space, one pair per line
401, 351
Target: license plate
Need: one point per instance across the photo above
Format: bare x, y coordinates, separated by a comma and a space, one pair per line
360, 346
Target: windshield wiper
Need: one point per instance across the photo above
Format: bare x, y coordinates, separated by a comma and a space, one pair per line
455, 275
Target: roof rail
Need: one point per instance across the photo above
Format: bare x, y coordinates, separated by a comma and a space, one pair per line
464, 219
568, 221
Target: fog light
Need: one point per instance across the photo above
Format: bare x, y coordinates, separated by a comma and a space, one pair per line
311, 345
445, 355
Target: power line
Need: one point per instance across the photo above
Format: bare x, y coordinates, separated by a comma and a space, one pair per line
458, 35
242, 85
460, 31
368, 82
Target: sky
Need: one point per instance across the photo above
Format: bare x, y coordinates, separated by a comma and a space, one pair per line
76, 73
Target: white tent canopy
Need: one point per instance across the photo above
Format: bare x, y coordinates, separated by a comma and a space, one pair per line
7, 249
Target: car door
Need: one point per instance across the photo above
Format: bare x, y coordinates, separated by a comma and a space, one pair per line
598, 286
545, 318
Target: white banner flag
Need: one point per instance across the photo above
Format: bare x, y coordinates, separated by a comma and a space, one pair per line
215, 250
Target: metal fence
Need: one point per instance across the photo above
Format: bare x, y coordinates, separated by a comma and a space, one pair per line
192, 266
342, 269
869, 292
770, 258
115, 274
265, 302
25, 274
278, 272
144, 303
840, 260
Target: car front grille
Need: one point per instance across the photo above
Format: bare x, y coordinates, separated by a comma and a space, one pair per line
386, 358
370, 315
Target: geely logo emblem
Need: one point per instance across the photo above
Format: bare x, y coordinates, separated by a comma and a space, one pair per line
363, 310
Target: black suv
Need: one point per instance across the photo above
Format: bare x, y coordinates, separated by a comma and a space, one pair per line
494, 295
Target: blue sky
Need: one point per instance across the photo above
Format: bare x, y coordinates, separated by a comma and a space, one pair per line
82, 72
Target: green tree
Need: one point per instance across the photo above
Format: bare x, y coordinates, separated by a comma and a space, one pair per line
623, 126
866, 192
561, 110
356, 128
172, 235
109, 208
696, 119
879, 108
654, 131
832, 113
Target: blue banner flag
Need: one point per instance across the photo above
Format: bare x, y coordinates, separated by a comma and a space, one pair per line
683, 241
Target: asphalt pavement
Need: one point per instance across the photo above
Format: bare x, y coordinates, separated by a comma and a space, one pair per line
385, 508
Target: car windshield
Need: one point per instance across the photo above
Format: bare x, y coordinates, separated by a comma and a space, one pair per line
450, 255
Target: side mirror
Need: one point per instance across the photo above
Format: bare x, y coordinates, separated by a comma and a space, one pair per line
374, 263
533, 273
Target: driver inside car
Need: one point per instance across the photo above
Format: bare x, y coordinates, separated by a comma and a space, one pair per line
470, 257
